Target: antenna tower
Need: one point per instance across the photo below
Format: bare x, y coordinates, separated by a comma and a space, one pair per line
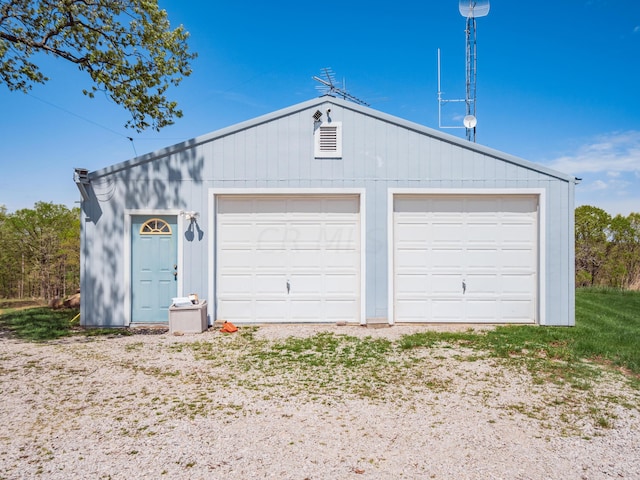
470, 9
328, 87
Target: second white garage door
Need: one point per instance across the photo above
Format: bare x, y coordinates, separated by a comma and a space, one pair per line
288, 258
465, 258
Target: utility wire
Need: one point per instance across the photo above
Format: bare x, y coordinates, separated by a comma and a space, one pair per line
131, 139
79, 116
134, 146
86, 120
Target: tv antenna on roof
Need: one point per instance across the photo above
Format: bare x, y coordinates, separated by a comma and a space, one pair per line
328, 87
470, 9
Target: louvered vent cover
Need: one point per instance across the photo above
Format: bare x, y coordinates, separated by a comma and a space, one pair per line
329, 141
328, 138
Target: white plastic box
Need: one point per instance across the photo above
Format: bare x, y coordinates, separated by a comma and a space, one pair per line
189, 319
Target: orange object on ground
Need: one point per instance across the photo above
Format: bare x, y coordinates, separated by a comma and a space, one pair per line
228, 327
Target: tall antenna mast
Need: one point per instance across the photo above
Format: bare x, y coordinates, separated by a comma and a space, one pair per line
470, 9
328, 87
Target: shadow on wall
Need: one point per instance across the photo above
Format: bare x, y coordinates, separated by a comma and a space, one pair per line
91, 206
192, 230
162, 183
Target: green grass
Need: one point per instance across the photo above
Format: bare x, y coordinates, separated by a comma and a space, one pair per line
15, 303
608, 327
325, 365
42, 324
607, 331
563, 364
38, 324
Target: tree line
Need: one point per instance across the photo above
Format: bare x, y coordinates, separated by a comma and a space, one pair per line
39, 251
607, 248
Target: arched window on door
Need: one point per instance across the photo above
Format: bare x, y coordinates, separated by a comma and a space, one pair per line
155, 226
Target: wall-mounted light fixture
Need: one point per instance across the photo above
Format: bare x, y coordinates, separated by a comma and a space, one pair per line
191, 215
190, 234
81, 178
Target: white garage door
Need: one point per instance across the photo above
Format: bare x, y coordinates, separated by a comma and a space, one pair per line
465, 258
288, 258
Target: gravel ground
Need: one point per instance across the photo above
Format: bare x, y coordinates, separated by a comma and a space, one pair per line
152, 406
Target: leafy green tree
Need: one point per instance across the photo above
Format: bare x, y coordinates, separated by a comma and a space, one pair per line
126, 46
45, 242
68, 266
634, 219
591, 225
8, 271
623, 253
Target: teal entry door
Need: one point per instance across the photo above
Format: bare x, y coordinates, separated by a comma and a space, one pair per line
154, 268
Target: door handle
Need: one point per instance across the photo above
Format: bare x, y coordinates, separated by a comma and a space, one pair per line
464, 287
288, 287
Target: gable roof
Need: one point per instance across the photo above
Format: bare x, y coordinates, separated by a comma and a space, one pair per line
323, 101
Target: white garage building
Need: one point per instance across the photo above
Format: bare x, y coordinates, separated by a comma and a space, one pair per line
325, 212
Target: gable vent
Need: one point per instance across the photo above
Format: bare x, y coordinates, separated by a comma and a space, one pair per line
328, 138
329, 141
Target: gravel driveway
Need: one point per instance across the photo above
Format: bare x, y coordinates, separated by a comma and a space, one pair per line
196, 407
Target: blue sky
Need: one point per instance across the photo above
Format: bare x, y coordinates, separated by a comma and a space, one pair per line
558, 84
